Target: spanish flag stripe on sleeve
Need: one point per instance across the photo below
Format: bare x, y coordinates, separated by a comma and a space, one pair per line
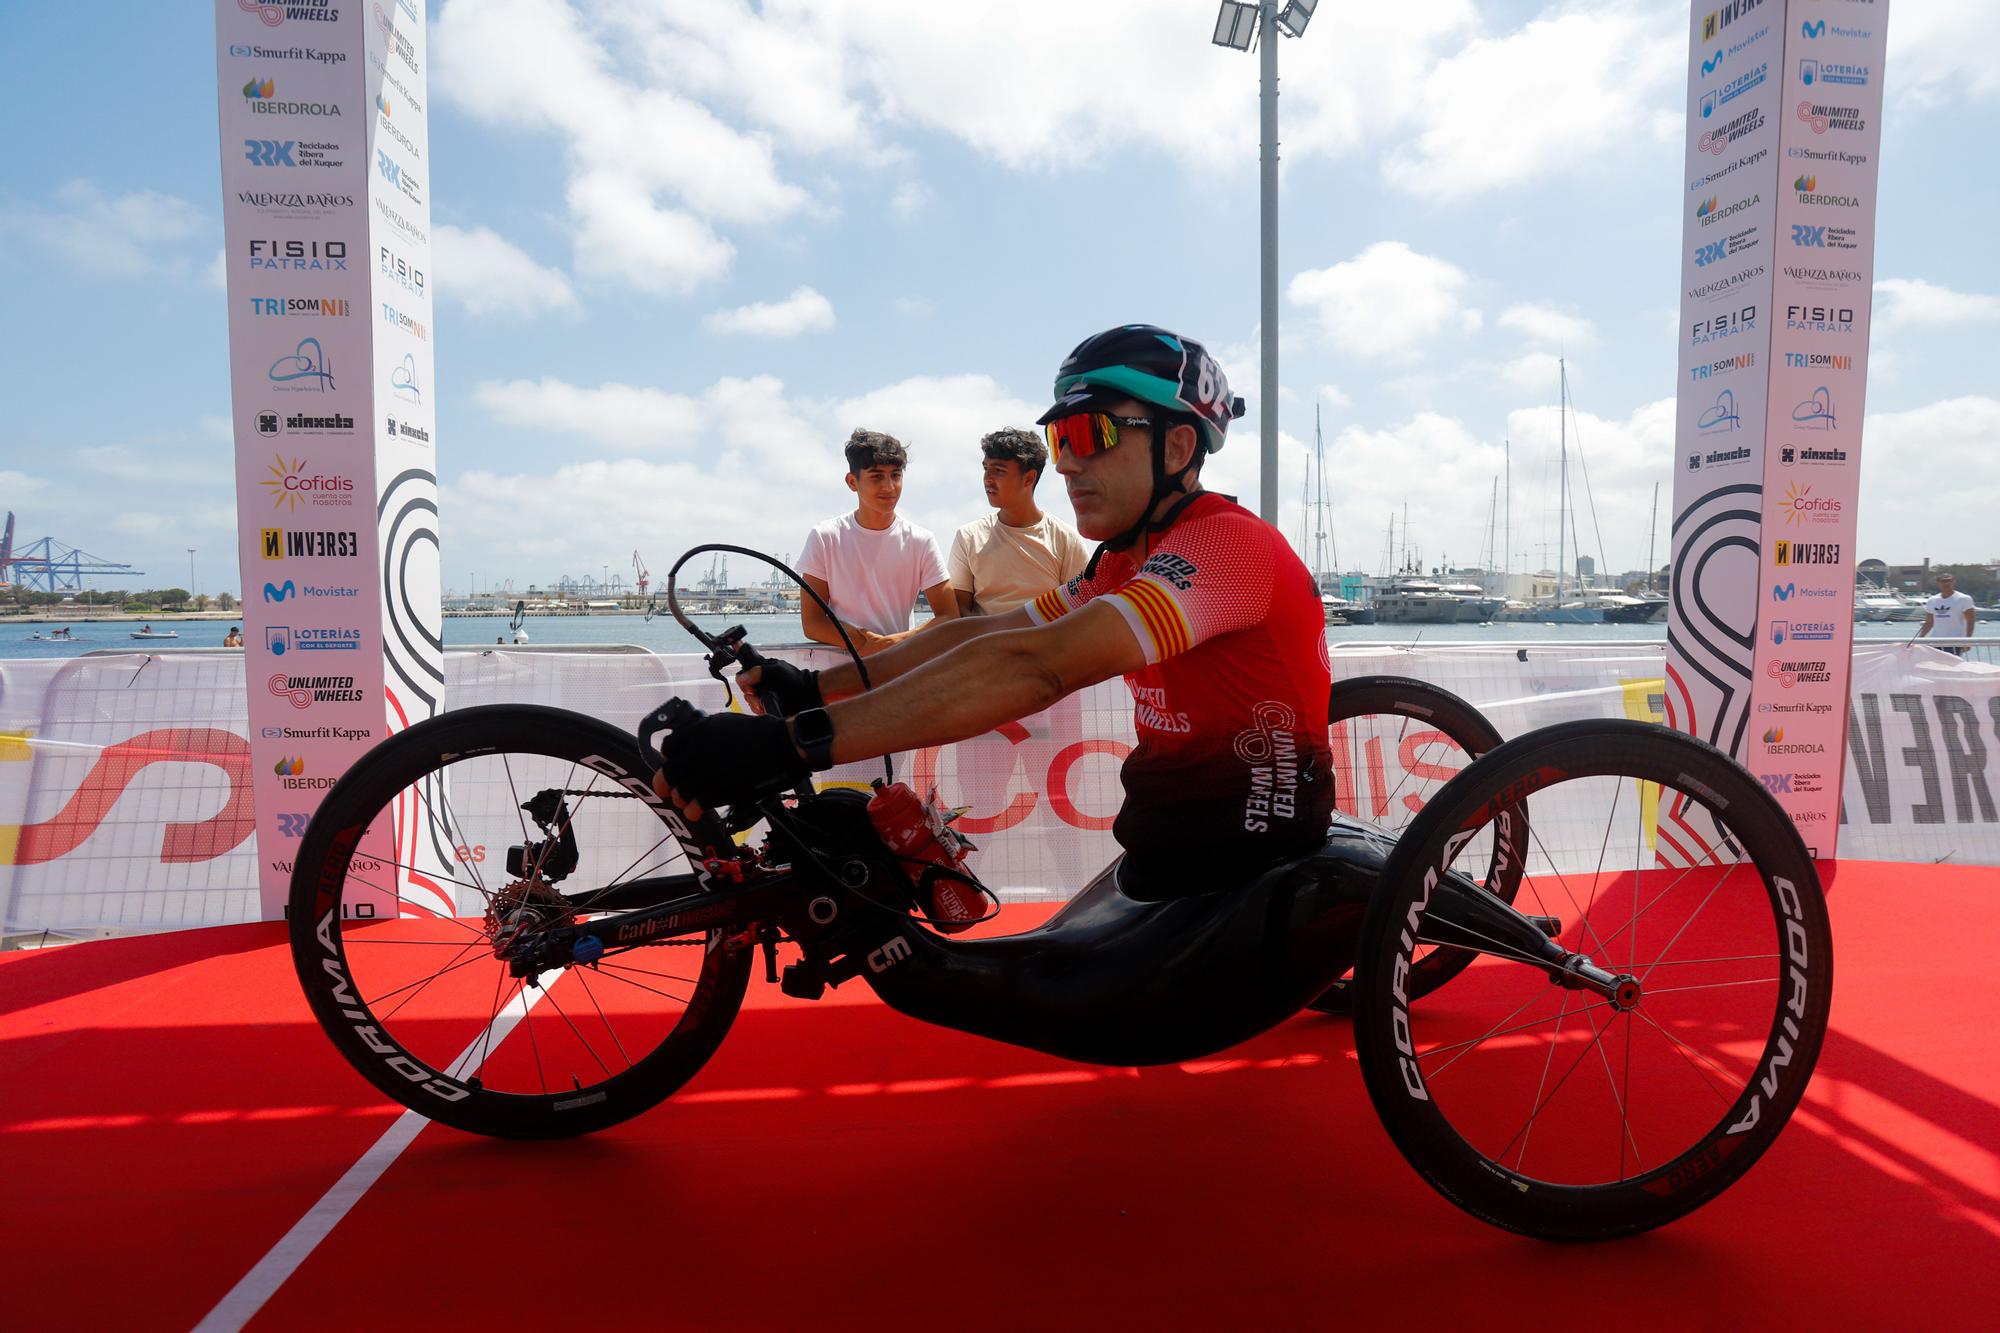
1161, 616
1049, 606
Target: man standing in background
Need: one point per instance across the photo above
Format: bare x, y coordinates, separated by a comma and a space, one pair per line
870, 565
1949, 614
1016, 553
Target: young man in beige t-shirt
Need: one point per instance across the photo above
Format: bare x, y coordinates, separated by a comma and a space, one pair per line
1018, 552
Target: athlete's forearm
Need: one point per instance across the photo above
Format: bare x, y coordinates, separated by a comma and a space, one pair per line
985, 679
905, 656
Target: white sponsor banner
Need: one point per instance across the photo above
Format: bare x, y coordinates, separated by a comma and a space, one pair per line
336, 513
125, 780
1772, 366
1830, 137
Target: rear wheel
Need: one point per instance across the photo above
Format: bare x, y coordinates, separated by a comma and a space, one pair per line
406, 892
1396, 741
1573, 1113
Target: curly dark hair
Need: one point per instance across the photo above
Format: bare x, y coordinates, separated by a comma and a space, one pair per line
1012, 444
874, 448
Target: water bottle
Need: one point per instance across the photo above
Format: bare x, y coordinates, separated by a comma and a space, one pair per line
916, 831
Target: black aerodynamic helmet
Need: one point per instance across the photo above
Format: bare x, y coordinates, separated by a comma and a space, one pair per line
1146, 362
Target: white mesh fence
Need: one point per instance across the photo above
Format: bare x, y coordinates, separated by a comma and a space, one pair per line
124, 792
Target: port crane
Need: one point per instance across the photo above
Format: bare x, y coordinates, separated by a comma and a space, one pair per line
48, 565
640, 573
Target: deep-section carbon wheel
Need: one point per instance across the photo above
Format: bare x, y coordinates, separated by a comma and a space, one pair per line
1573, 1112
438, 849
1396, 741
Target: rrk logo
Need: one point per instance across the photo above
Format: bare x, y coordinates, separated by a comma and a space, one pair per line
292, 825
1711, 253
1808, 236
1778, 784
269, 152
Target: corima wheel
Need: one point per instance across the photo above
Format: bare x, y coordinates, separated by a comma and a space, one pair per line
436, 854
1576, 1113
1396, 741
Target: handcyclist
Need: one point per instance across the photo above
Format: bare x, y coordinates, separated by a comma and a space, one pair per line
1204, 609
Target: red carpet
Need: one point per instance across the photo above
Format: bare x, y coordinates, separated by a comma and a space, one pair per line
170, 1111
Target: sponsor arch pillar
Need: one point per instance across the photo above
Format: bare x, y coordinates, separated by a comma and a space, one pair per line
1784, 134
326, 219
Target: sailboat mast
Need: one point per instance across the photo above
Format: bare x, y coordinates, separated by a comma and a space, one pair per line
1562, 487
1652, 531
1507, 554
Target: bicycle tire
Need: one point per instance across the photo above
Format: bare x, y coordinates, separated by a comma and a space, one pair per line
1395, 1042
330, 886
1465, 727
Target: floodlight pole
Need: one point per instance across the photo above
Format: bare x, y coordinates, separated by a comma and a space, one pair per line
1267, 395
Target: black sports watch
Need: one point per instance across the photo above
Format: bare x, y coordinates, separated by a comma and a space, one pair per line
812, 731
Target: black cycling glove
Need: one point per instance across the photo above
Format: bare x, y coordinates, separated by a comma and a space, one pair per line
726, 758
795, 688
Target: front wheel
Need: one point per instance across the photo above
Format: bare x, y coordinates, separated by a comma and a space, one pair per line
422, 860
1571, 1113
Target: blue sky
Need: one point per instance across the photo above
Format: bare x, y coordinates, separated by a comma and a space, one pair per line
681, 250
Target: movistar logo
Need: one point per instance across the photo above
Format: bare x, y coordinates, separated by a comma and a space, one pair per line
1813, 27
1713, 63
276, 592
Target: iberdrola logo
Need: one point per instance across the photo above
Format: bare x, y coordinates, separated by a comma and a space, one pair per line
291, 768
1775, 736
1806, 184
258, 92
1705, 207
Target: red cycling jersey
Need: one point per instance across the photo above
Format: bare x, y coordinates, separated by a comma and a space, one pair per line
1231, 706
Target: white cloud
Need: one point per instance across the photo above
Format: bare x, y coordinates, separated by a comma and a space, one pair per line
915, 307
1386, 301
1927, 482
217, 272
1941, 51
1563, 89
730, 414
910, 199
1546, 323
118, 235
1333, 394
1531, 372
751, 465
1909, 303
804, 311
650, 170
489, 275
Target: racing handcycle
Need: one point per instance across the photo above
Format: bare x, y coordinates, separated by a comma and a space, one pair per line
1589, 979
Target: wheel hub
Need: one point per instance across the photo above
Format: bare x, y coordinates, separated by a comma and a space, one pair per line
522, 911
1626, 993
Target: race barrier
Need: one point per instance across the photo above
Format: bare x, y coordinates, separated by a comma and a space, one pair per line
128, 799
